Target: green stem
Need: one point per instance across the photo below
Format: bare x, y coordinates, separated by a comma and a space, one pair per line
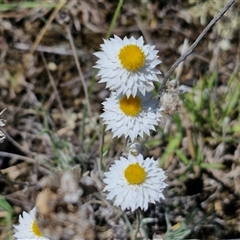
101, 166
138, 224
117, 11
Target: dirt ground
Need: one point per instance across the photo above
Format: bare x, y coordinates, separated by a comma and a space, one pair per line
48, 116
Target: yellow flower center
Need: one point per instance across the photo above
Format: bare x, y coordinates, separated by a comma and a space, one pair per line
35, 229
135, 174
132, 57
131, 106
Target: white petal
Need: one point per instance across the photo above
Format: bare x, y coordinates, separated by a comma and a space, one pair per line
132, 196
124, 80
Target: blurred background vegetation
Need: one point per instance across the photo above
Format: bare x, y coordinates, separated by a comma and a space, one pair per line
53, 124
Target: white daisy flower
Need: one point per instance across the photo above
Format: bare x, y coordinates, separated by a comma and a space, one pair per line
134, 182
131, 117
127, 65
28, 228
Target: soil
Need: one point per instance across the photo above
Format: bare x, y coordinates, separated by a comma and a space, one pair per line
48, 115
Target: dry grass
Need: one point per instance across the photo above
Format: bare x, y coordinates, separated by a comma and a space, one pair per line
53, 104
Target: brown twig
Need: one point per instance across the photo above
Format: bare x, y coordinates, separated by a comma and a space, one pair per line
54, 87
70, 38
18, 146
190, 50
17, 156
52, 49
11, 182
44, 29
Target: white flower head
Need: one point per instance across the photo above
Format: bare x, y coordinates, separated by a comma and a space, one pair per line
28, 228
131, 117
134, 182
127, 65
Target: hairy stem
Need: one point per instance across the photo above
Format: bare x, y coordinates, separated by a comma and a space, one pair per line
190, 50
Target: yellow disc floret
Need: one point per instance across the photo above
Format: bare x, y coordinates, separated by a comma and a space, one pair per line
36, 230
132, 57
131, 106
135, 174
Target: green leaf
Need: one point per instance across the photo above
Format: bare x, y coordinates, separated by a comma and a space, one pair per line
27, 4
211, 165
171, 147
182, 156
